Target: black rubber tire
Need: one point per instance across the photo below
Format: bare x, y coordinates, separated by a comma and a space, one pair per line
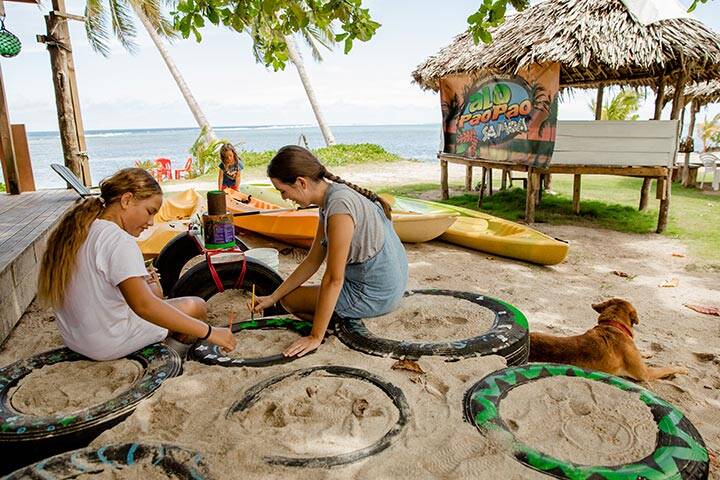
175, 255
395, 394
174, 462
27, 438
508, 336
680, 452
210, 354
198, 281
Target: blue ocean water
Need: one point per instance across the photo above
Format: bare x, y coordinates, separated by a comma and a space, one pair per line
110, 150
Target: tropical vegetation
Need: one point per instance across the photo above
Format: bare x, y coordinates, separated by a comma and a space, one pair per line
623, 106
206, 154
710, 132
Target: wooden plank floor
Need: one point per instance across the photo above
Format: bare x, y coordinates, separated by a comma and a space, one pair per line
25, 217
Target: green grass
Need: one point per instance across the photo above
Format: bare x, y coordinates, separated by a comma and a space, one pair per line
337, 155
607, 202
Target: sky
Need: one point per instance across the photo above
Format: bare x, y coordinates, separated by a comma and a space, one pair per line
371, 85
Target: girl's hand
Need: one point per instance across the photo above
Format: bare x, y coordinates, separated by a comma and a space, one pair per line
302, 346
223, 338
261, 303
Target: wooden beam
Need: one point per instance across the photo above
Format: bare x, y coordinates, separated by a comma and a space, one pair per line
468, 178
659, 97
599, 104
644, 190
444, 190
10, 170
483, 180
530, 198
660, 188
503, 179
665, 206
686, 180
576, 194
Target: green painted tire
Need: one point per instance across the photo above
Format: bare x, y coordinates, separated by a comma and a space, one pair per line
508, 336
210, 354
174, 462
680, 452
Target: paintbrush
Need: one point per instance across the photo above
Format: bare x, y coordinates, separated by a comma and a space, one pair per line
252, 304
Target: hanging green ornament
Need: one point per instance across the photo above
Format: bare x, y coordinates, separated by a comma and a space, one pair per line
9, 44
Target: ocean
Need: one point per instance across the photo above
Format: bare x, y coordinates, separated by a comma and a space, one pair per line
110, 150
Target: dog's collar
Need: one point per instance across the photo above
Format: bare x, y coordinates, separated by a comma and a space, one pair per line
618, 325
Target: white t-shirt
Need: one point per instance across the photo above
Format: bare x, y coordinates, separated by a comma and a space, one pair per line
95, 320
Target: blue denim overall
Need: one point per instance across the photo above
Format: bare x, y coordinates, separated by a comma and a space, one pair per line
375, 286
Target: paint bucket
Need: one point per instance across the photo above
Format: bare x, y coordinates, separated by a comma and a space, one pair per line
219, 231
269, 256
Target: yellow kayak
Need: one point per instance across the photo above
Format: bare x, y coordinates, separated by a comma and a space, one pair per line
480, 231
170, 221
411, 227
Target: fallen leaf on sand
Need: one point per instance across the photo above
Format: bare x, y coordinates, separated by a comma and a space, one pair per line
409, 365
706, 310
620, 274
681, 255
673, 282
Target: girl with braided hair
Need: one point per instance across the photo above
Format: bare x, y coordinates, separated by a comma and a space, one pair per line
93, 275
367, 269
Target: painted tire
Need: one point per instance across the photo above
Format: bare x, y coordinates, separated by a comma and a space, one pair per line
175, 462
395, 394
507, 337
680, 451
210, 354
198, 281
175, 254
27, 438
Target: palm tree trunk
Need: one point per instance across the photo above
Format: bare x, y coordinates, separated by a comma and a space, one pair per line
184, 89
296, 59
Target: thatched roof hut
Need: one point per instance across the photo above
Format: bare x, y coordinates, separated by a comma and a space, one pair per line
596, 42
703, 93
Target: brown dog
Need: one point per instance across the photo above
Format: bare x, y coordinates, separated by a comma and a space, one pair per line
607, 347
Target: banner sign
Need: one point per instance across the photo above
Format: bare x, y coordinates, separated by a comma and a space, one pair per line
502, 118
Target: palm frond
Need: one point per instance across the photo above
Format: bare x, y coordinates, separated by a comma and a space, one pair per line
153, 13
315, 37
123, 24
96, 27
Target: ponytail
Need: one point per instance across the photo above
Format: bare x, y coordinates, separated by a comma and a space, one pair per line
369, 194
60, 257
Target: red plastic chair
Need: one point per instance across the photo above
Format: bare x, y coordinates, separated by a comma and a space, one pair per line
185, 170
164, 169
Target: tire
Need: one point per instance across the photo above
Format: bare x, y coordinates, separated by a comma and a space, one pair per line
172, 461
175, 255
680, 452
507, 337
27, 438
395, 394
198, 281
210, 354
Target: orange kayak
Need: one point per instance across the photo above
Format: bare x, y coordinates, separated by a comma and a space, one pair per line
295, 227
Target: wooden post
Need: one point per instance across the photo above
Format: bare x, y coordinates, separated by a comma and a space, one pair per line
71, 136
468, 178
576, 194
530, 198
686, 180
483, 183
9, 164
677, 107
444, 190
503, 178
644, 190
598, 104
659, 97
489, 182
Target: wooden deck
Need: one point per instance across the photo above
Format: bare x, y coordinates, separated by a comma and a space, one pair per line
25, 222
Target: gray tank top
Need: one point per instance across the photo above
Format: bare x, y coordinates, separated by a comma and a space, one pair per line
368, 217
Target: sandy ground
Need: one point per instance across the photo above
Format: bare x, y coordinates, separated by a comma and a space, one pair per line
192, 410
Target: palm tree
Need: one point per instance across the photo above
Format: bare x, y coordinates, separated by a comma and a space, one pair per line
622, 106
710, 131
150, 15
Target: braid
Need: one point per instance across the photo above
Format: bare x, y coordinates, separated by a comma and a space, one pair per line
369, 194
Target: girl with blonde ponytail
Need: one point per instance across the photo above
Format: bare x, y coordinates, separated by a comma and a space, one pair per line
93, 275
366, 271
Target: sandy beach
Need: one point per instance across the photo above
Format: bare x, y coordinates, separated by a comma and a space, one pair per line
323, 415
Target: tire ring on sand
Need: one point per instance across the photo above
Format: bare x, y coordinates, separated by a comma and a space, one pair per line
507, 337
198, 281
175, 255
174, 461
395, 394
680, 451
27, 438
209, 354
